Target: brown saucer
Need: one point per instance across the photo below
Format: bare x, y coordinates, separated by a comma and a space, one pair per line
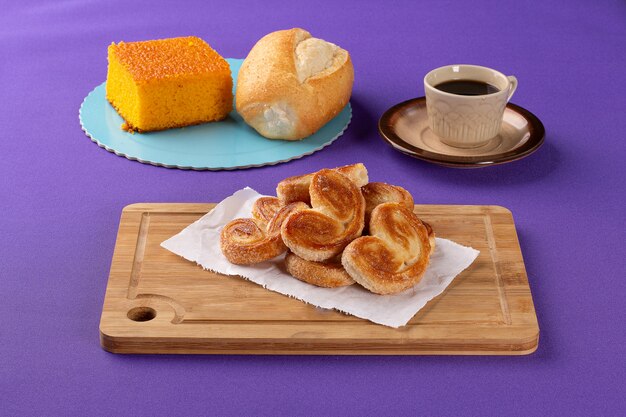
405, 127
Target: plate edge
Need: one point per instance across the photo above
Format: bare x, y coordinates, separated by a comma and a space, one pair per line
195, 168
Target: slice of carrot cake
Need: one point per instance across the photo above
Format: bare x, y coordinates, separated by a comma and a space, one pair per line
166, 83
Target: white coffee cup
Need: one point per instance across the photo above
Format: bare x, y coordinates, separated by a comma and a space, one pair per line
467, 121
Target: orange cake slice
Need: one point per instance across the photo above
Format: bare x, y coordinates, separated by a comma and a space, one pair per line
160, 84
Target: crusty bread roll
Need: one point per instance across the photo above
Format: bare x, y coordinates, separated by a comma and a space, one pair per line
292, 84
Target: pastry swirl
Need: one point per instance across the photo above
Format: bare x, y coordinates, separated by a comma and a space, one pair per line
336, 218
252, 240
376, 193
329, 274
297, 188
396, 254
265, 208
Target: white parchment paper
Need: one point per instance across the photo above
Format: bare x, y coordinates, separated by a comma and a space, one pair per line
200, 243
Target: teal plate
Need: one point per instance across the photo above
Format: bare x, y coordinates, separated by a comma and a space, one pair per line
229, 144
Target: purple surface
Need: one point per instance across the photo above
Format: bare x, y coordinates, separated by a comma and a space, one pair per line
61, 197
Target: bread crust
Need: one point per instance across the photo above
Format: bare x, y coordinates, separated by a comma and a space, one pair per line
329, 274
268, 80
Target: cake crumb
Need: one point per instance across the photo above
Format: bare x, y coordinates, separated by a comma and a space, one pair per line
128, 128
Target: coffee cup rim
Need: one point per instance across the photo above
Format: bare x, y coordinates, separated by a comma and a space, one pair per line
445, 93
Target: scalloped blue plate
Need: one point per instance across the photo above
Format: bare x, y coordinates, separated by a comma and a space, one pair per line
229, 144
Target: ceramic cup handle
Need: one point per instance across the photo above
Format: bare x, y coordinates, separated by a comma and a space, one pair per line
512, 86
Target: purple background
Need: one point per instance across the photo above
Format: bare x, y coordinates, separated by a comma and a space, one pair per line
61, 197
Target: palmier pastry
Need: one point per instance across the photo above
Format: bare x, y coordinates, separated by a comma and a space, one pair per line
431, 236
376, 193
396, 254
265, 208
336, 218
248, 241
329, 274
297, 188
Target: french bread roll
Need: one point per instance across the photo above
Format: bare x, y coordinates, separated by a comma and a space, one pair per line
292, 84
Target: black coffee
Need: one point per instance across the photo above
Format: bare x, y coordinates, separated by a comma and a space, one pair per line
467, 87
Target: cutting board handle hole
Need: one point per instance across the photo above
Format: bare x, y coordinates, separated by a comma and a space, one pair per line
141, 314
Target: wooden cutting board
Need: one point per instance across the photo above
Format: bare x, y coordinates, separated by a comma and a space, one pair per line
157, 302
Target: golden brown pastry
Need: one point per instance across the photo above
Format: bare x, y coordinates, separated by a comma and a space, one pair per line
396, 254
291, 84
391, 259
336, 218
431, 236
329, 274
265, 208
297, 188
376, 193
252, 240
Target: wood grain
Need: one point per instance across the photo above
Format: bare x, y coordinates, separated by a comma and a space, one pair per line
157, 302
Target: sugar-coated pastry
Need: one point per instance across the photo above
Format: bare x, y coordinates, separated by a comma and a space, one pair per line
431, 236
328, 244
376, 193
265, 208
395, 255
330, 274
251, 240
291, 84
336, 218
297, 188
